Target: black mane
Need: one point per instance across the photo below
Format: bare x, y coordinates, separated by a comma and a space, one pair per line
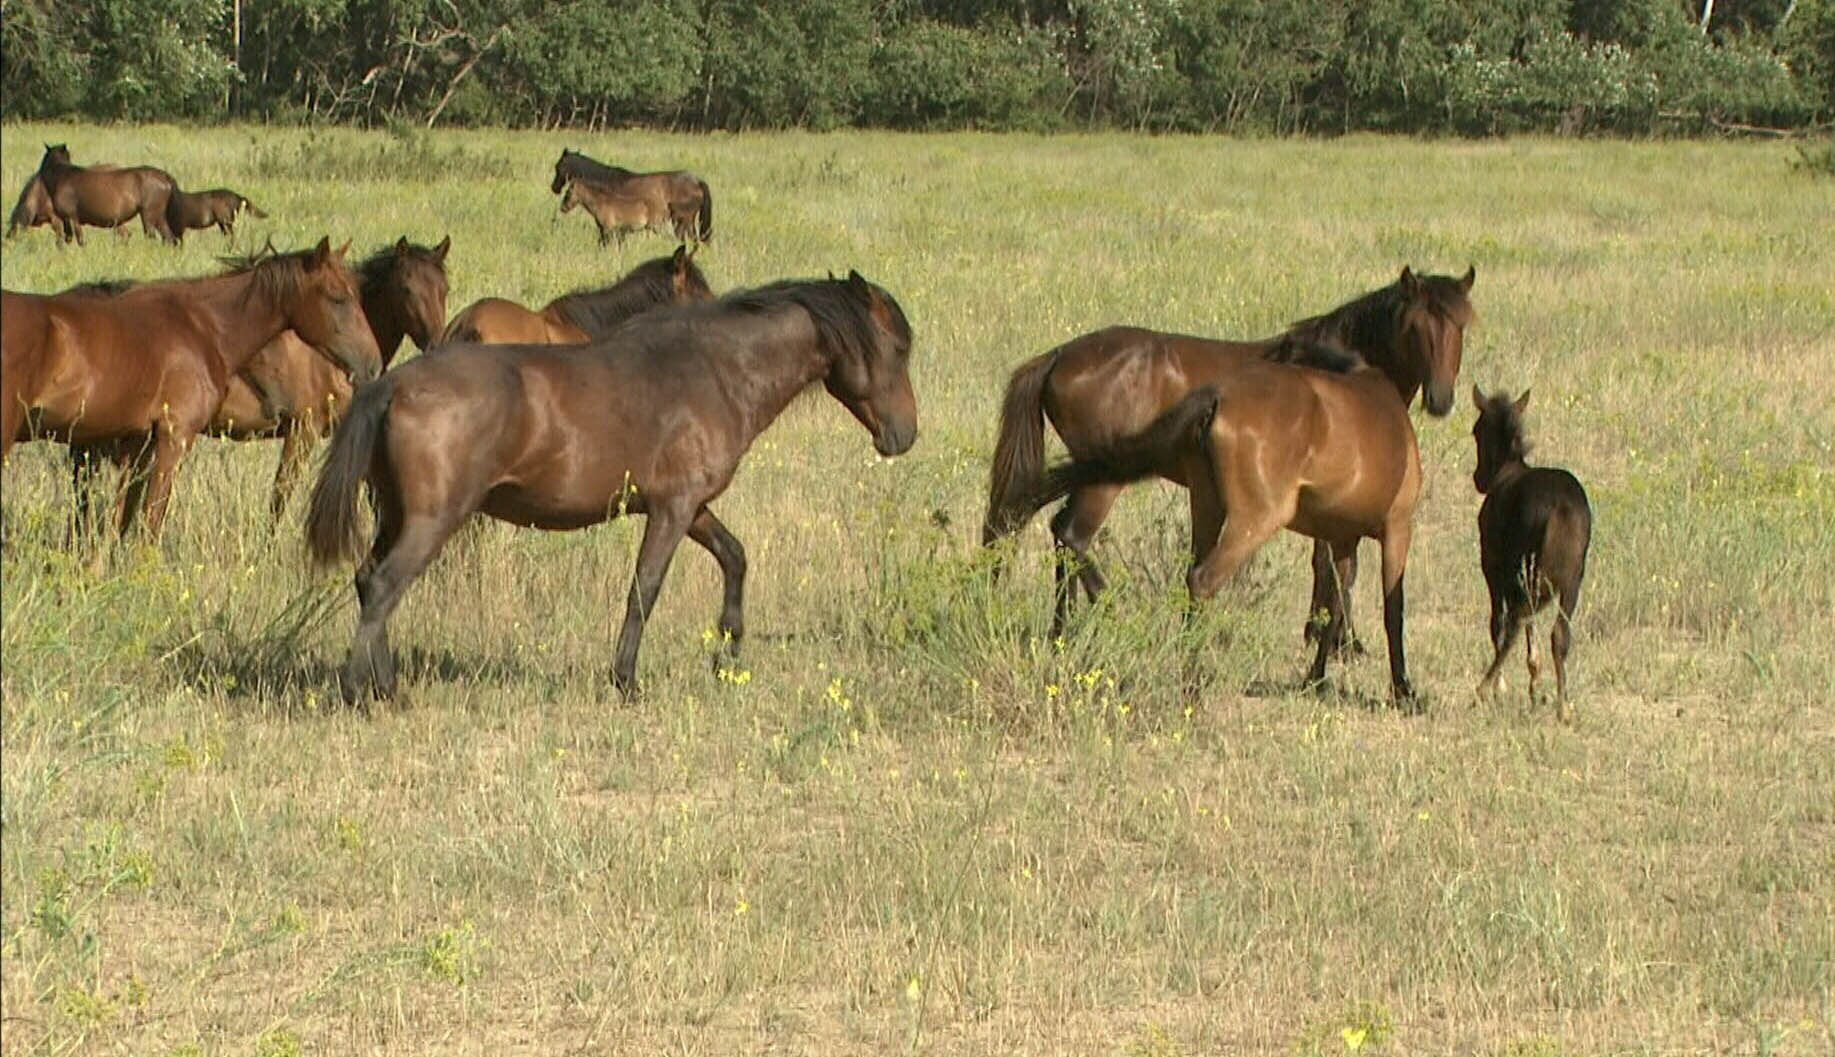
1368, 324
650, 284
1314, 353
843, 319
101, 287
576, 166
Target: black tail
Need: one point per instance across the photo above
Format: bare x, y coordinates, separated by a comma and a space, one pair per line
332, 532
1019, 449
1168, 438
706, 219
250, 206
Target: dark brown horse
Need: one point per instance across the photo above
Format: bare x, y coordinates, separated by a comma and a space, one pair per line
186, 210
651, 420
1321, 445
584, 314
1113, 382
1533, 532
147, 368
104, 197
676, 194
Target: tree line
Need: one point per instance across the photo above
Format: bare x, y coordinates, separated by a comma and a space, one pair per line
1469, 67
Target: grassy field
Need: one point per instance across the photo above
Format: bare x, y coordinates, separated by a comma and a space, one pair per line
908, 825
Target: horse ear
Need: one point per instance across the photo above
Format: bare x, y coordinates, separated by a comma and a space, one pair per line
1522, 402
439, 252
1410, 283
342, 250
1465, 281
1478, 399
401, 246
322, 252
858, 283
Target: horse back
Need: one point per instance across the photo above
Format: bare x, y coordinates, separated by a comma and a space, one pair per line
1112, 382
1541, 515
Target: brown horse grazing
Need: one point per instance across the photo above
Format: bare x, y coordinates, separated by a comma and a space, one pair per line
104, 197
651, 420
1533, 532
288, 390
1320, 444
584, 314
1113, 382
148, 367
678, 195
32, 209
617, 214
201, 209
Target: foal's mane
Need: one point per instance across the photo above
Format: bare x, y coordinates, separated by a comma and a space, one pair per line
646, 286
375, 269
844, 322
1371, 322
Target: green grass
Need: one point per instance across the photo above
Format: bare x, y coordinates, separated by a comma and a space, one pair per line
907, 824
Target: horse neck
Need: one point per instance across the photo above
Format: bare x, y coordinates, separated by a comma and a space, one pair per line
1369, 329
386, 324
767, 373
244, 317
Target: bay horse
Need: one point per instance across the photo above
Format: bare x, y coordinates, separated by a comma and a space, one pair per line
650, 420
1319, 443
1533, 532
582, 315
1113, 382
32, 209
679, 195
104, 197
148, 367
616, 213
186, 210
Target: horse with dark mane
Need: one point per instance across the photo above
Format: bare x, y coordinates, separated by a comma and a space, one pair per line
1114, 382
145, 369
1310, 439
104, 197
202, 209
1533, 532
650, 420
676, 194
583, 314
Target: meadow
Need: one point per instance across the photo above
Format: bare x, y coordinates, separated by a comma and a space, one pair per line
907, 823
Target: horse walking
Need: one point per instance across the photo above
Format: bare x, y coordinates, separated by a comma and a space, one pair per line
1320, 444
584, 314
651, 420
1533, 532
676, 194
1113, 382
147, 368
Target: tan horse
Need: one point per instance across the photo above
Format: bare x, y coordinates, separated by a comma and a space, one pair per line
584, 314
1321, 445
104, 197
617, 214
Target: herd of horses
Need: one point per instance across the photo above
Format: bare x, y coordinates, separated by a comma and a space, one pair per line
68, 196
642, 398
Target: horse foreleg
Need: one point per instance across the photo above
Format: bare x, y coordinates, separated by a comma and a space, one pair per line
1395, 561
713, 536
169, 447
663, 531
84, 460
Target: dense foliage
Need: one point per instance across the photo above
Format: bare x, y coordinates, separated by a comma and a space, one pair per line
1466, 66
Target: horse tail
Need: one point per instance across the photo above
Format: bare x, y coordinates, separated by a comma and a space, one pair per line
1125, 460
252, 210
706, 218
332, 531
1019, 450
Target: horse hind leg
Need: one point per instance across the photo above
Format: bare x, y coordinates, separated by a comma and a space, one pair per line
713, 536
1330, 632
1332, 576
1073, 529
402, 549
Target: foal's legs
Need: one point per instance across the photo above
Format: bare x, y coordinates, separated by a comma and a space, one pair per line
1073, 529
707, 530
663, 531
1506, 623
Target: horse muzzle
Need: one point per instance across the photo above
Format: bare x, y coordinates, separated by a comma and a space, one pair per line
1438, 399
894, 438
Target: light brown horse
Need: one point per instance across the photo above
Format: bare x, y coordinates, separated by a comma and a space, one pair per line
104, 197
288, 390
616, 212
678, 195
1321, 445
147, 369
651, 420
1113, 382
584, 314
201, 209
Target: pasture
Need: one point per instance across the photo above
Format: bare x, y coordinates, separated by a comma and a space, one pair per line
907, 823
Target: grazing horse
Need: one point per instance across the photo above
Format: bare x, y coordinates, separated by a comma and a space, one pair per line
617, 214
32, 209
147, 368
651, 420
678, 195
1320, 443
104, 197
1113, 382
201, 209
1533, 532
583, 315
